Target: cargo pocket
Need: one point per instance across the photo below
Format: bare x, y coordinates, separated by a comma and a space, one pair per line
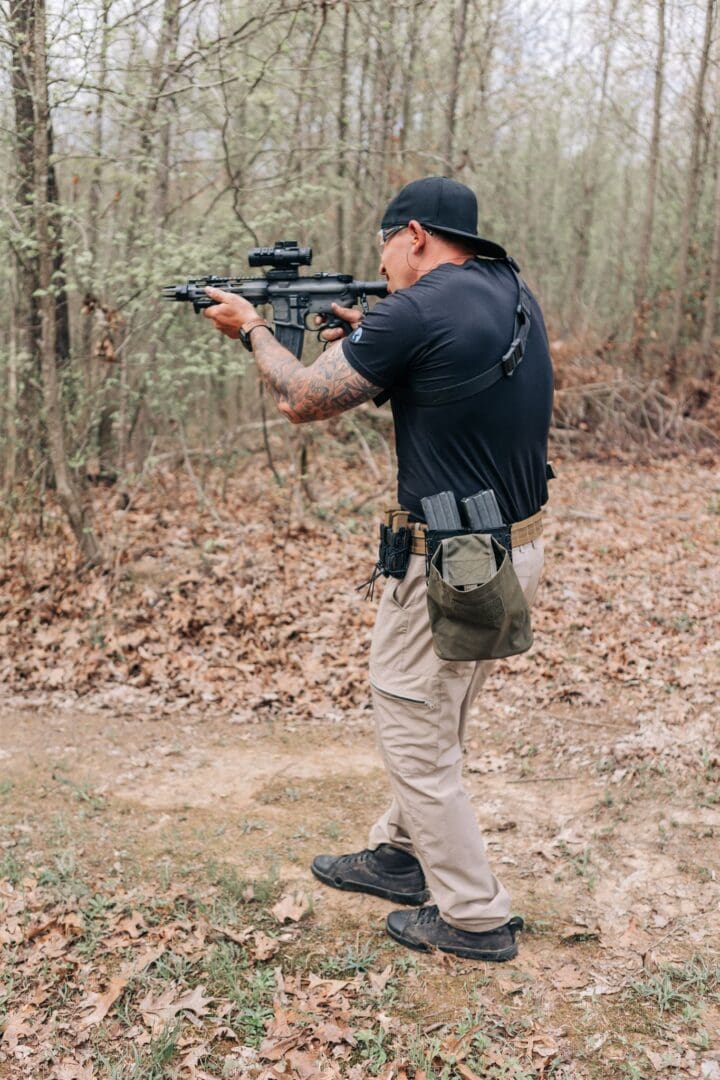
408, 719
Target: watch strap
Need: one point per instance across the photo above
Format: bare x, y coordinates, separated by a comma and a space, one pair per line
247, 329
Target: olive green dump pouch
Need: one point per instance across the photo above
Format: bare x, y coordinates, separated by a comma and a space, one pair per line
476, 605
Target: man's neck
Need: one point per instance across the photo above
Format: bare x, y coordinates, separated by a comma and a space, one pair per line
442, 260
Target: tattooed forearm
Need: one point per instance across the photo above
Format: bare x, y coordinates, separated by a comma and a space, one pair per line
327, 387
276, 364
330, 386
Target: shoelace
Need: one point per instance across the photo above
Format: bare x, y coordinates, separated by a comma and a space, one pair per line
427, 914
355, 857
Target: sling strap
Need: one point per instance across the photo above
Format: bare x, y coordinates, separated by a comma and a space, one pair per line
505, 367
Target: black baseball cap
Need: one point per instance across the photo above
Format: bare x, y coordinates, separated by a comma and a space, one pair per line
445, 206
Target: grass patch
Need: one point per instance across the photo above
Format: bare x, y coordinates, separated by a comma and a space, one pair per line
679, 986
350, 962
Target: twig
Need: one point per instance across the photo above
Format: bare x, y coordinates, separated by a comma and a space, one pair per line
203, 498
541, 779
594, 723
572, 513
266, 440
367, 453
363, 502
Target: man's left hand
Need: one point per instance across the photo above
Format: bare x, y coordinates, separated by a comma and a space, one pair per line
229, 312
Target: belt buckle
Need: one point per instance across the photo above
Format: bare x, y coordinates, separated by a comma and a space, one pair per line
511, 358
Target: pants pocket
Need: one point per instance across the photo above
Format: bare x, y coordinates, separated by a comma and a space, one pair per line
409, 590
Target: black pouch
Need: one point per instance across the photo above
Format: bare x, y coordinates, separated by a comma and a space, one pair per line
394, 551
393, 557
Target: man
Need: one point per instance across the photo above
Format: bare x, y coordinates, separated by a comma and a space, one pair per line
453, 310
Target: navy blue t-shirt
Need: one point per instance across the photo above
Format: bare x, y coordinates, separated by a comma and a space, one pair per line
452, 324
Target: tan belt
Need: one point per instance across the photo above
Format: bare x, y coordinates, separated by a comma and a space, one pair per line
521, 532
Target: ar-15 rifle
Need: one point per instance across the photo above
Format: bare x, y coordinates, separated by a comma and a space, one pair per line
293, 298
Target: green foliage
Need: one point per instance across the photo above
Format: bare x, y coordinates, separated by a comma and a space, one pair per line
175, 154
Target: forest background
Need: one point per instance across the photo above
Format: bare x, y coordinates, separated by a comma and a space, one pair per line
183, 653
146, 142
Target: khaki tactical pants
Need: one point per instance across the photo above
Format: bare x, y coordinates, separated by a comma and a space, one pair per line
421, 706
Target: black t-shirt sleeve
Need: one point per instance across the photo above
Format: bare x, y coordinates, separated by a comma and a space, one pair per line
387, 341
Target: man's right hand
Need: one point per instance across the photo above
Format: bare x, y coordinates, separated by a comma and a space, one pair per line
348, 314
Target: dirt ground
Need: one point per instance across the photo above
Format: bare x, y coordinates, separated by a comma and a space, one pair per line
148, 849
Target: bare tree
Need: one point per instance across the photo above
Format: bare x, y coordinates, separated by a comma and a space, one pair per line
648, 224
590, 177
192, 126
692, 189
45, 229
710, 312
342, 130
458, 54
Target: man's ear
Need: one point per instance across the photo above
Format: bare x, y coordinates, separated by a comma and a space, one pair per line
417, 235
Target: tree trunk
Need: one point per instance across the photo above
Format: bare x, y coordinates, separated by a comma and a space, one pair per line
11, 442
384, 81
26, 330
360, 202
342, 134
46, 224
298, 151
619, 264
409, 78
691, 194
458, 53
640, 313
98, 377
590, 179
95, 187
23, 16
710, 312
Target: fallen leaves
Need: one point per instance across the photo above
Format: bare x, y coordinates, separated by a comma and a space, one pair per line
100, 1004
301, 1028
293, 907
636, 939
159, 1011
17, 1025
378, 982
580, 931
570, 977
620, 683
181, 618
264, 947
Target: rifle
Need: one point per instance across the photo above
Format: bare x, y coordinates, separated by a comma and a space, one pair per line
293, 297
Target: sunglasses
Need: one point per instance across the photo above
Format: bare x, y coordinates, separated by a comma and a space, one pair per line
384, 235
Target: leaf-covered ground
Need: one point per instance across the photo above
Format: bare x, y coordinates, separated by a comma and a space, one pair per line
180, 735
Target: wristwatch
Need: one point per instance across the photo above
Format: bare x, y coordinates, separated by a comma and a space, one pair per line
247, 329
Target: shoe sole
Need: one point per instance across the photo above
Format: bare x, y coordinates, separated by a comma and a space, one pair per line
409, 899
492, 955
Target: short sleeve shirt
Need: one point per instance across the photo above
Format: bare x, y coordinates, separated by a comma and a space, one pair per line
452, 324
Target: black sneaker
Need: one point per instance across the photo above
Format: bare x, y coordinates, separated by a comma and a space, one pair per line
425, 930
387, 872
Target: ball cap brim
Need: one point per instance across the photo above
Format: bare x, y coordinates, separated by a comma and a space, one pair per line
444, 205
